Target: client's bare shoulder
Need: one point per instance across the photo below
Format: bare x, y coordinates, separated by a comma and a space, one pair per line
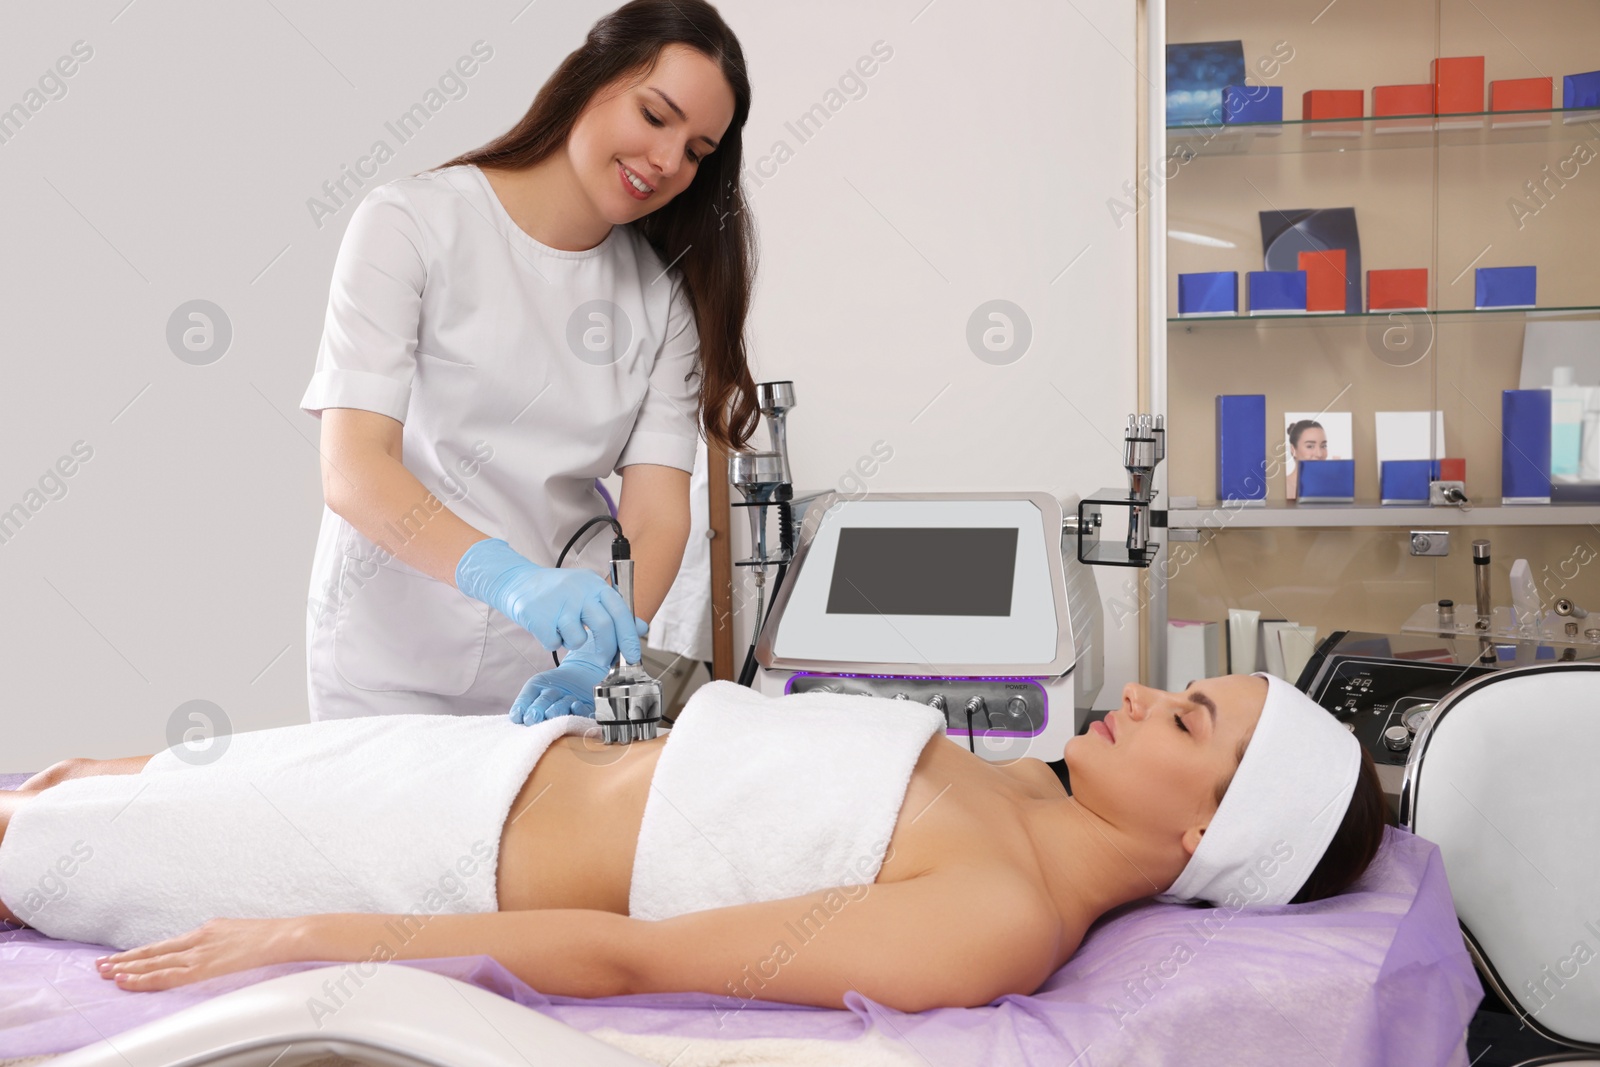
962, 822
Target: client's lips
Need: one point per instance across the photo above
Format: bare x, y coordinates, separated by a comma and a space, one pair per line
1111, 727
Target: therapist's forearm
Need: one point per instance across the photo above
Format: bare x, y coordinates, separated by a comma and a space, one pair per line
658, 552
395, 511
656, 540
654, 512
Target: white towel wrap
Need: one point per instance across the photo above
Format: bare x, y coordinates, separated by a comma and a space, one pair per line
1283, 806
388, 814
762, 798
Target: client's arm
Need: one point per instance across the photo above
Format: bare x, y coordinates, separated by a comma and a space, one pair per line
954, 938
948, 939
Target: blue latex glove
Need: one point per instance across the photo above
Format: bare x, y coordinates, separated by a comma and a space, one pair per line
564, 690
554, 604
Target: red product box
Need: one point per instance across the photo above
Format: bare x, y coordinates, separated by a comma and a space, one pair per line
1521, 94
1457, 85
1334, 104
1402, 100
1452, 470
1397, 290
1325, 279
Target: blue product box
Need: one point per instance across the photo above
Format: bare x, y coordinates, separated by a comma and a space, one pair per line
1277, 292
1508, 654
1507, 287
1581, 90
1252, 103
1405, 481
1525, 446
1212, 293
1242, 448
1327, 481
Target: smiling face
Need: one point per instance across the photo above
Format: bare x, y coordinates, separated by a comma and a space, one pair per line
1158, 773
659, 124
1313, 444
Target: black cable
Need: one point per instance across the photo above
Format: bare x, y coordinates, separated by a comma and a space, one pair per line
786, 528
574, 538
972, 743
617, 543
747, 673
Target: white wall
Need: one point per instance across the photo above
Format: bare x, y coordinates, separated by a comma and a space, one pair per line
178, 165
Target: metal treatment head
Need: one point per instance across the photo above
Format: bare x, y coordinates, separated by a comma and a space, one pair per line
627, 706
775, 398
1139, 454
755, 474
759, 477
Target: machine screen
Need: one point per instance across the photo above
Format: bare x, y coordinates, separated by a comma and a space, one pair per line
922, 570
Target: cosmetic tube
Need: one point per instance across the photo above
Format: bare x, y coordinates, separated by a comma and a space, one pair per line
1243, 626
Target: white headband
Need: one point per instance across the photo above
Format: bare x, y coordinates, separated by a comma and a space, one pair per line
1283, 806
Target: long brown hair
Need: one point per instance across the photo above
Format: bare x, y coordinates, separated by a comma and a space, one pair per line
1356, 841
707, 217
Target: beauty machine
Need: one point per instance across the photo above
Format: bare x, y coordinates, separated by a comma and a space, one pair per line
974, 603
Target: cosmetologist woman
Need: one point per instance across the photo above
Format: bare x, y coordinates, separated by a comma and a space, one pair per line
502, 330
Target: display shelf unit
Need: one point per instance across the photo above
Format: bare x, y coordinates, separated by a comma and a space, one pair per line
1335, 319
1380, 134
1429, 191
1334, 516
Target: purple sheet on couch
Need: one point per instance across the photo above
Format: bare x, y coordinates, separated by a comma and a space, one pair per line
1376, 976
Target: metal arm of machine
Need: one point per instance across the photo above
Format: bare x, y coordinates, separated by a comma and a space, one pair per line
1144, 446
764, 478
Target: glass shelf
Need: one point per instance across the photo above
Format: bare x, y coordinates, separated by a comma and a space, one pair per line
1364, 318
1369, 134
1503, 626
1326, 516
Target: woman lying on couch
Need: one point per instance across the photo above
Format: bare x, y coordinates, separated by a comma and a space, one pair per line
1237, 791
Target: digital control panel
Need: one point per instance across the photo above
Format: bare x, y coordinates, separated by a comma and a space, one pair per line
1385, 702
1002, 707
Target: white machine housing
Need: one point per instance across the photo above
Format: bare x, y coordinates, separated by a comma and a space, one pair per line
942, 598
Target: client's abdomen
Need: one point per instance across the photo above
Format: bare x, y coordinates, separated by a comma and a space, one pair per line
571, 836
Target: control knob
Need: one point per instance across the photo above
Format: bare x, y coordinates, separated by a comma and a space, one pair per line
1416, 717
1397, 738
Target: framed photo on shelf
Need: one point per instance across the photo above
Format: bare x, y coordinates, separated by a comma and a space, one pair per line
1313, 435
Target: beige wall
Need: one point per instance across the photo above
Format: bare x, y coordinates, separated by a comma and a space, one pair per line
1414, 207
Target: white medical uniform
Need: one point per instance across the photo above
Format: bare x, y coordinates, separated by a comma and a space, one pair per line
447, 316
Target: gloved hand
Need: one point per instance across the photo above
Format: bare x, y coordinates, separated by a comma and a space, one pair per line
554, 604
564, 690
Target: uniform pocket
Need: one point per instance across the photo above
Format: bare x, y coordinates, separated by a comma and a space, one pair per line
400, 630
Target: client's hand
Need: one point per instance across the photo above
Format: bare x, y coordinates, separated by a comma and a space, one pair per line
564, 690
220, 946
